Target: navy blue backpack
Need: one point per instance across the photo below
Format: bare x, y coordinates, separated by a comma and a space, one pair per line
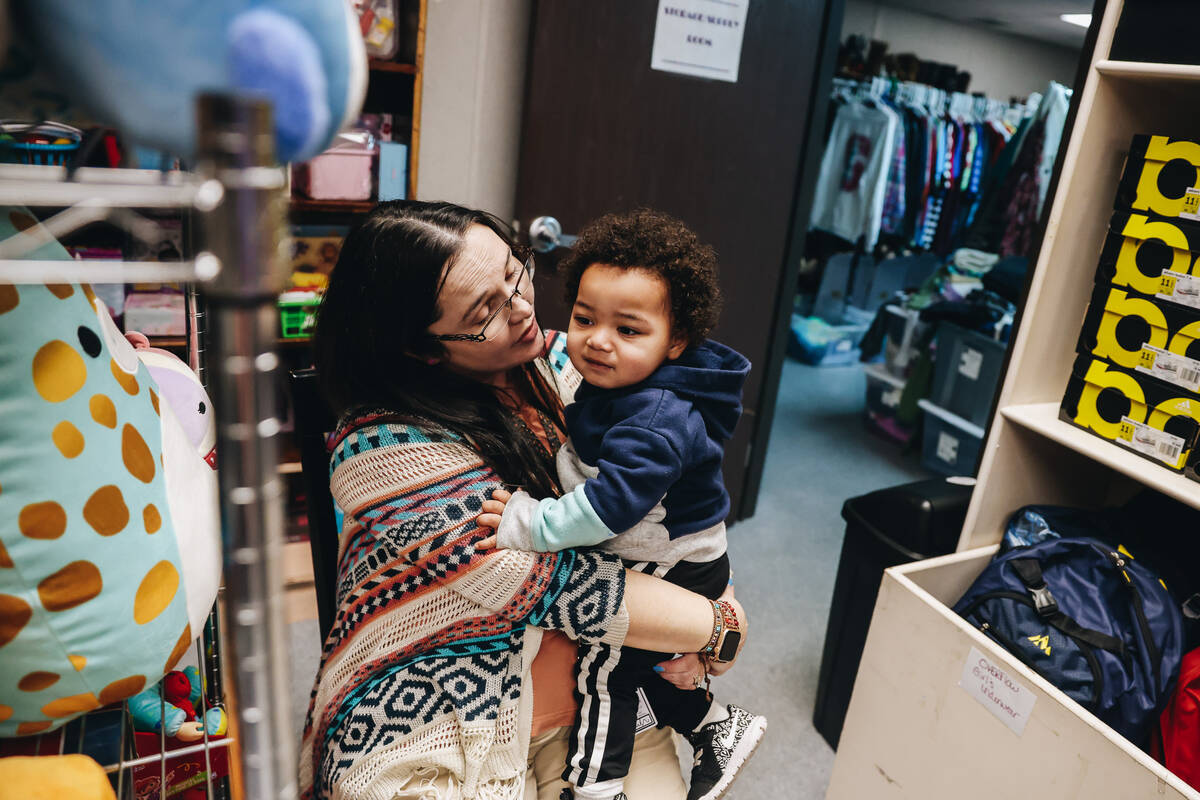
1089, 619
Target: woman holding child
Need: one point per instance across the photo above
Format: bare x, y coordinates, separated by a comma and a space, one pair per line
449, 672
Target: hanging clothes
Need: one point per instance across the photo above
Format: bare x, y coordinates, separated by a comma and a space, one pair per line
1055, 106
853, 177
892, 221
1025, 195
913, 164
1013, 204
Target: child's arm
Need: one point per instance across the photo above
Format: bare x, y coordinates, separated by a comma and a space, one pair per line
636, 467
639, 460
544, 526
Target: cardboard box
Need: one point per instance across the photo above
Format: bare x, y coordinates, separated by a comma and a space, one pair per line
393, 171
1139, 247
1155, 420
157, 314
1161, 176
1120, 325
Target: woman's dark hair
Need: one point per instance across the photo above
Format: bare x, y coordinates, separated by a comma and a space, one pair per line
371, 344
663, 245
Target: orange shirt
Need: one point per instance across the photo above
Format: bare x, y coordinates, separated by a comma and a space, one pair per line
553, 669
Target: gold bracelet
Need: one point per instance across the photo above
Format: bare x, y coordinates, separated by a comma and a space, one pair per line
718, 623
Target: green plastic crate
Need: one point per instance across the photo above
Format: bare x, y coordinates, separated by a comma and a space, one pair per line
296, 318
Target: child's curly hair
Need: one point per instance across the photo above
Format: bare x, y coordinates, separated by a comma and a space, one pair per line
661, 244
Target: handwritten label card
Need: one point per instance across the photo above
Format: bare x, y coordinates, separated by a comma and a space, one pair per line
995, 687
700, 37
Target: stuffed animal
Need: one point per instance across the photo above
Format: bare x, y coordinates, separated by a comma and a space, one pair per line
138, 64
171, 706
109, 525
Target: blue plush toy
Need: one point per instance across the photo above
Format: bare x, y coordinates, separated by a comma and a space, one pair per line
138, 64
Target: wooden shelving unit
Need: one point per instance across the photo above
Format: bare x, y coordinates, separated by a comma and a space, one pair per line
392, 83
379, 65
911, 727
1144, 71
389, 81
303, 204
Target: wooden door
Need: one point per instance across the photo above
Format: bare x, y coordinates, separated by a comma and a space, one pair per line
736, 161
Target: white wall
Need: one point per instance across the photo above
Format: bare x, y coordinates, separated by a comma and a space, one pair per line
1001, 66
473, 88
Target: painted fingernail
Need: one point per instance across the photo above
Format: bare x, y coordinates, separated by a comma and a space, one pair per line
657, 668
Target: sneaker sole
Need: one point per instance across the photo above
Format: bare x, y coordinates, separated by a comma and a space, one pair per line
741, 754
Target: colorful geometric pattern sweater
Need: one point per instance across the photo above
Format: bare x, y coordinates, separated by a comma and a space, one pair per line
428, 661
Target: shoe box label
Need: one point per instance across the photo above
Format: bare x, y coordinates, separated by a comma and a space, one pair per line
1159, 445
1171, 367
1180, 288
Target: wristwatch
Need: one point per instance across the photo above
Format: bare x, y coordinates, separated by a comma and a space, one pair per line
726, 636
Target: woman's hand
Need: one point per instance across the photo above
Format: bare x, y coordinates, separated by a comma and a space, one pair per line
683, 672
490, 516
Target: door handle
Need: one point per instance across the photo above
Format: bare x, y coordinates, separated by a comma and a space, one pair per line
545, 234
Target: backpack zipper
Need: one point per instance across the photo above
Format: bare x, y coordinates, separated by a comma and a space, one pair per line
1139, 610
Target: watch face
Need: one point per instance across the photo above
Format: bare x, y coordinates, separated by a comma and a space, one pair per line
729, 645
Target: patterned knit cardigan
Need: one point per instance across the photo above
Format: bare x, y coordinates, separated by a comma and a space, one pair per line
427, 663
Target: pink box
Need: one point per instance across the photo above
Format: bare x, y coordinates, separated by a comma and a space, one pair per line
155, 314
341, 174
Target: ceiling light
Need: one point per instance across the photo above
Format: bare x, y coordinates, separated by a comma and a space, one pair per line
1082, 20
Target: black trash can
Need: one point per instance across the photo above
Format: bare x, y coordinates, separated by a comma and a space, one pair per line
884, 528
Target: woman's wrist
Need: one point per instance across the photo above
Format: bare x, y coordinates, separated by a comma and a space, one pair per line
726, 637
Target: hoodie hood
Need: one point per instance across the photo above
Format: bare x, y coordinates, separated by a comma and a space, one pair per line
711, 376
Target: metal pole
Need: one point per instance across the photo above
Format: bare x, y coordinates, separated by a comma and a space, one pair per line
244, 232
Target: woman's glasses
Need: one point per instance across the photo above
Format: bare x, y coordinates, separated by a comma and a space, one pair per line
497, 321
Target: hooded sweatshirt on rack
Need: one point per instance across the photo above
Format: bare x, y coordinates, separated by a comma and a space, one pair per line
643, 461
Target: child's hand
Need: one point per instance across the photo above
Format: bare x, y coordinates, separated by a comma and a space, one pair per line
490, 516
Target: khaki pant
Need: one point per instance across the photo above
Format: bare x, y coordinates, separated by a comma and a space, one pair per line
653, 774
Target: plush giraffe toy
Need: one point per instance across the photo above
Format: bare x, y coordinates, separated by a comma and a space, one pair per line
109, 528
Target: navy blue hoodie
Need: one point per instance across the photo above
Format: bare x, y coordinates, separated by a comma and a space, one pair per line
662, 440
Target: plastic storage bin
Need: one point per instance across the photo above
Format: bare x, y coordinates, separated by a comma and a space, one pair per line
883, 397
904, 329
950, 444
817, 342
883, 391
966, 372
297, 314
884, 528
837, 280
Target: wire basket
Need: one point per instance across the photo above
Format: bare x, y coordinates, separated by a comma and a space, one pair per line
43, 143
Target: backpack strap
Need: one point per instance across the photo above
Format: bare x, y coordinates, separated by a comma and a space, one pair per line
1030, 573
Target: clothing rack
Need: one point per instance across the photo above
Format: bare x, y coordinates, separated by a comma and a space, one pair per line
236, 195
921, 168
957, 104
